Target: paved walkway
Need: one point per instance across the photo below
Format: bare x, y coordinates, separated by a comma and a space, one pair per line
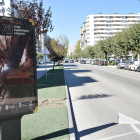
42, 69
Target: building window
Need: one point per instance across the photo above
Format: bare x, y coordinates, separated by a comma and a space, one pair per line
107, 25
107, 21
87, 25
88, 34
95, 20
88, 42
0, 10
95, 33
107, 33
95, 25
111, 33
94, 17
95, 37
110, 16
95, 42
95, 29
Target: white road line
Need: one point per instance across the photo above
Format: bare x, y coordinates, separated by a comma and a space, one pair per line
135, 128
108, 138
126, 91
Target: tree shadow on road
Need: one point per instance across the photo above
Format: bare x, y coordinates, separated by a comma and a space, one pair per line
94, 96
95, 129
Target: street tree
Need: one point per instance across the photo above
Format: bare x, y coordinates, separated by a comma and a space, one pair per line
54, 53
77, 48
35, 11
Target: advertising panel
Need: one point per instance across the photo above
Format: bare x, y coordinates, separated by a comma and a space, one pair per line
18, 94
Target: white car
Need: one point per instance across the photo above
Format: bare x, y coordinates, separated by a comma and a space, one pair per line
87, 61
134, 65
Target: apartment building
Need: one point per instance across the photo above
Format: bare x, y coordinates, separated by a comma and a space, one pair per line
4, 5
98, 27
71, 49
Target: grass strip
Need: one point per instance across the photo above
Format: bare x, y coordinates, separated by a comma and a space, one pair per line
48, 122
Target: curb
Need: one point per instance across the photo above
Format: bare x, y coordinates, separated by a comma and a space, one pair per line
71, 127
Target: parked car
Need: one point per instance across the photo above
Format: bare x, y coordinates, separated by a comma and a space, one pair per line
128, 65
83, 62
94, 62
102, 63
66, 61
88, 61
117, 61
121, 64
138, 68
71, 61
76, 60
134, 65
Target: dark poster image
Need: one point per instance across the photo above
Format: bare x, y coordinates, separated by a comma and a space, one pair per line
17, 75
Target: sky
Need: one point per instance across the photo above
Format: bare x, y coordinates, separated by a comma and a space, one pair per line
68, 15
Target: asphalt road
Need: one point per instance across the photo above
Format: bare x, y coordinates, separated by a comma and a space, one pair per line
99, 94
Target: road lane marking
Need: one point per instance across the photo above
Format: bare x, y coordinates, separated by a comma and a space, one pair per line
126, 91
127, 120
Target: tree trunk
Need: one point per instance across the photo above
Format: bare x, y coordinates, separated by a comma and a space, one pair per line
53, 66
138, 57
115, 59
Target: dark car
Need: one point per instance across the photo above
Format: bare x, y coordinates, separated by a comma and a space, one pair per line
71, 61
102, 63
82, 61
66, 61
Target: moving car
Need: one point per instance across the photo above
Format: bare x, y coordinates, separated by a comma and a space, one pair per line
82, 61
121, 64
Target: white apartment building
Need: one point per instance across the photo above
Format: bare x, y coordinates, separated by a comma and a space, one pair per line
101, 26
71, 49
4, 5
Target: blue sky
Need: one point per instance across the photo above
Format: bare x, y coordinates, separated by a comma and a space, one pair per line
68, 15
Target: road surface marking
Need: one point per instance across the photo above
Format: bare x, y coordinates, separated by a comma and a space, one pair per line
126, 91
127, 120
